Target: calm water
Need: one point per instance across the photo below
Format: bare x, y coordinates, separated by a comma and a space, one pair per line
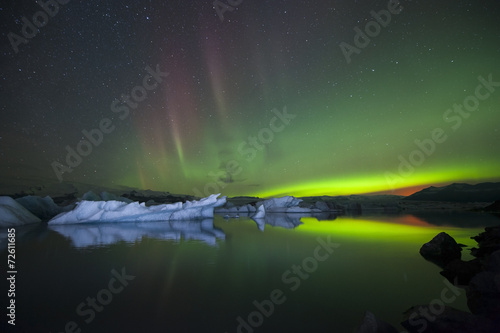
210, 276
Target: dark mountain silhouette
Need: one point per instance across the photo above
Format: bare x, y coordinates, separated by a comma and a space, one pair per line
459, 192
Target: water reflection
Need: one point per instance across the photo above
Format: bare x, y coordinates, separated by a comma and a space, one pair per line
460, 219
283, 220
109, 233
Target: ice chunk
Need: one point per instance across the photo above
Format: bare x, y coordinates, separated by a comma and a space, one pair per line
44, 208
117, 211
287, 204
13, 213
261, 212
280, 204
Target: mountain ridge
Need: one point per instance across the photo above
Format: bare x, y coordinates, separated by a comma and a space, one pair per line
459, 192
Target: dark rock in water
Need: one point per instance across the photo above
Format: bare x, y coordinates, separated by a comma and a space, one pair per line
441, 250
445, 319
488, 242
480, 275
372, 324
460, 272
483, 293
494, 207
493, 262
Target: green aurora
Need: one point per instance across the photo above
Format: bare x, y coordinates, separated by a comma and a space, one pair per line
265, 103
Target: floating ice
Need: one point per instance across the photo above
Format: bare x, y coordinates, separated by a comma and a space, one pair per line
13, 213
261, 212
117, 211
44, 208
287, 204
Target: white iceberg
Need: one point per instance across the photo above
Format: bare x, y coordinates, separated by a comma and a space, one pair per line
261, 213
14, 214
85, 235
117, 211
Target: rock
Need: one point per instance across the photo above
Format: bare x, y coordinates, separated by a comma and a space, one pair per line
488, 242
460, 272
371, 324
441, 250
445, 319
493, 262
483, 294
482, 275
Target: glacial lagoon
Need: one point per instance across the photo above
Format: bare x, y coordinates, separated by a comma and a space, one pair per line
286, 274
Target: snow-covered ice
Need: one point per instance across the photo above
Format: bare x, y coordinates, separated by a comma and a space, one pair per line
14, 214
117, 211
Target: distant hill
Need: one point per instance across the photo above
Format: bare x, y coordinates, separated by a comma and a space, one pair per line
494, 207
459, 192
64, 192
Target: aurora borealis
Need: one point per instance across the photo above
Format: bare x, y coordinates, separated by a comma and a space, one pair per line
262, 102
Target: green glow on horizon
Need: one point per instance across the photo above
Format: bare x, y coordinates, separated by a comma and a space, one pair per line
371, 184
345, 227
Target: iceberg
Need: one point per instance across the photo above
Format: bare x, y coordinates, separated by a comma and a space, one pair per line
44, 208
261, 213
118, 211
287, 204
97, 234
14, 214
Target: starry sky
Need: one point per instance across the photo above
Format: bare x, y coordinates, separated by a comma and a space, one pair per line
262, 98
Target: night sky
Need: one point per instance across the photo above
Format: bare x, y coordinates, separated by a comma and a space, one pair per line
267, 98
